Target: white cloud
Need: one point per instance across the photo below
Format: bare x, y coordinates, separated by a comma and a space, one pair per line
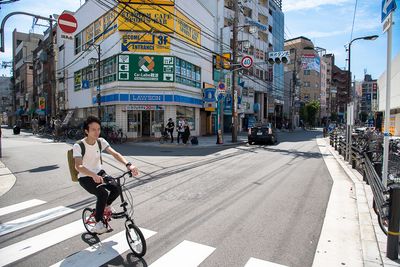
292, 5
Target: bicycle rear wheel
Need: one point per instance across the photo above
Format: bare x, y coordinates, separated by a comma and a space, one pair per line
88, 219
162, 140
135, 238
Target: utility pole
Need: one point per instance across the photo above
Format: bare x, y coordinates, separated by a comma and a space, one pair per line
293, 90
234, 74
98, 86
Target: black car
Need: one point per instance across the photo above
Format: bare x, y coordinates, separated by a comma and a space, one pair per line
262, 134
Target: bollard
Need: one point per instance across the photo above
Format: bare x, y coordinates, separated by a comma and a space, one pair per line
392, 247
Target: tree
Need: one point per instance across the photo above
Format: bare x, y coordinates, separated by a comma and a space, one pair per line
311, 109
334, 116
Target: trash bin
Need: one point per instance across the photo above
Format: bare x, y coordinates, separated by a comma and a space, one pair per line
16, 129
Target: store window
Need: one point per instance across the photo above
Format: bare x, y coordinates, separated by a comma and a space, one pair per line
108, 113
77, 81
188, 114
157, 123
134, 121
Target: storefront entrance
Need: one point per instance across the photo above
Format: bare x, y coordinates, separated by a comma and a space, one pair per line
145, 123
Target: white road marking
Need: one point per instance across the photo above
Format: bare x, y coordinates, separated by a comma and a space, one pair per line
253, 262
186, 254
29, 220
102, 252
21, 206
37, 243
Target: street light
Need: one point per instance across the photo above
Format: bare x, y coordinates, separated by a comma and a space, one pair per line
351, 94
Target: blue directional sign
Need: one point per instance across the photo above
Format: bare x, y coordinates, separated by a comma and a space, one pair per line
387, 7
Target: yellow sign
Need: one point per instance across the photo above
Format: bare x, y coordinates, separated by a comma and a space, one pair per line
146, 18
392, 126
156, 2
146, 42
187, 30
42, 103
226, 61
107, 19
98, 28
88, 34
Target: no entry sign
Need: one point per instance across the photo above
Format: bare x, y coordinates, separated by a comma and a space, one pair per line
67, 23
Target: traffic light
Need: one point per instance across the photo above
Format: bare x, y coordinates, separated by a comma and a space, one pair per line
279, 57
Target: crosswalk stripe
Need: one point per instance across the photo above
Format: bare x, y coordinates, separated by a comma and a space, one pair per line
21, 206
253, 262
37, 243
29, 220
186, 254
102, 252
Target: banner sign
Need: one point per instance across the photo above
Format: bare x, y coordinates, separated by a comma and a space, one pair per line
146, 68
146, 18
311, 62
187, 30
42, 103
146, 42
147, 107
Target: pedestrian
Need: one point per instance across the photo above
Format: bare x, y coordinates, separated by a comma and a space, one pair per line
90, 168
34, 125
186, 133
180, 128
170, 129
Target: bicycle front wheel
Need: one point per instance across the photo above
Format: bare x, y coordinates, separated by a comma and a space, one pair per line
135, 238
88, 219
162, 140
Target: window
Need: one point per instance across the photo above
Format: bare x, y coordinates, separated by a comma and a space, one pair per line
77, 81
187, 73
78, 43
134, 121
61, 48
108, 113
307, 72
188, 114
306, 84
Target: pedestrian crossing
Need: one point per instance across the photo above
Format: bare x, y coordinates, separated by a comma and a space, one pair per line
185, 254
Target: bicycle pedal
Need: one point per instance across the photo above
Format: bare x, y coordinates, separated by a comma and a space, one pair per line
110, 230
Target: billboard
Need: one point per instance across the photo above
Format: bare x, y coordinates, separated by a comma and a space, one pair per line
143, 42
187, 30
311, 62
146, 18
146, 68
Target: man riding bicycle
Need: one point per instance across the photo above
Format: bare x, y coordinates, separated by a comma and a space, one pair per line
90, 165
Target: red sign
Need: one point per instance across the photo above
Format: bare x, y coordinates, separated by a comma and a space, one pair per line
246, 62
67, 23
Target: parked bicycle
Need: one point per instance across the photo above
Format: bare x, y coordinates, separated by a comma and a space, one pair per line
134, 235
165, 137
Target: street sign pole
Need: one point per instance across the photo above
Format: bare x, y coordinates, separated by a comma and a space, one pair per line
387, 108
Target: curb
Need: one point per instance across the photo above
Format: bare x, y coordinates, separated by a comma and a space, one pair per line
7, 179
369, 241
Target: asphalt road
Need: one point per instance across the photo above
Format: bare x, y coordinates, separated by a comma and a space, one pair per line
263, 202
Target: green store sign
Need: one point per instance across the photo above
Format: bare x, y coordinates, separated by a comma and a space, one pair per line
146, 68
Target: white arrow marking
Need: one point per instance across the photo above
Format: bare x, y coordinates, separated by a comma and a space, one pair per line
385, 6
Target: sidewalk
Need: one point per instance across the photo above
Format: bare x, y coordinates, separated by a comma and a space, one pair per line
7, 179
350, 234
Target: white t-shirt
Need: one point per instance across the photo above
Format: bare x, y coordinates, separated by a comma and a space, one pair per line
91, 159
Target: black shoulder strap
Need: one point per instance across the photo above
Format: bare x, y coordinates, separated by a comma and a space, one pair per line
99, 143
83, 148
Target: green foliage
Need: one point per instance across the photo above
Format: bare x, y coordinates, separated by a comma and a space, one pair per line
311, 109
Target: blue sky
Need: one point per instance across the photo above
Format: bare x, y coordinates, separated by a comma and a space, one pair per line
326, 22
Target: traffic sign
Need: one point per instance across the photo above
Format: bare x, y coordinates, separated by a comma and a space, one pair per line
67, 23
221, 86
246, 62
387, 7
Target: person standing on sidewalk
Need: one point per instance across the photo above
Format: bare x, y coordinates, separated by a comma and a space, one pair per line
89, 166
170, 129
181, 128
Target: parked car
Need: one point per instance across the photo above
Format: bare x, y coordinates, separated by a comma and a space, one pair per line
263, 133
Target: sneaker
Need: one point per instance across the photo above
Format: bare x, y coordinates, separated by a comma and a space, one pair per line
99, 228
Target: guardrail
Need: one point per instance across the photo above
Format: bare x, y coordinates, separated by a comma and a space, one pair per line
368, 161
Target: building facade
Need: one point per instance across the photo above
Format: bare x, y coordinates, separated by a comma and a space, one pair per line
145, 77
23, 45
395, 96
369, 98
5, 99
340, 83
